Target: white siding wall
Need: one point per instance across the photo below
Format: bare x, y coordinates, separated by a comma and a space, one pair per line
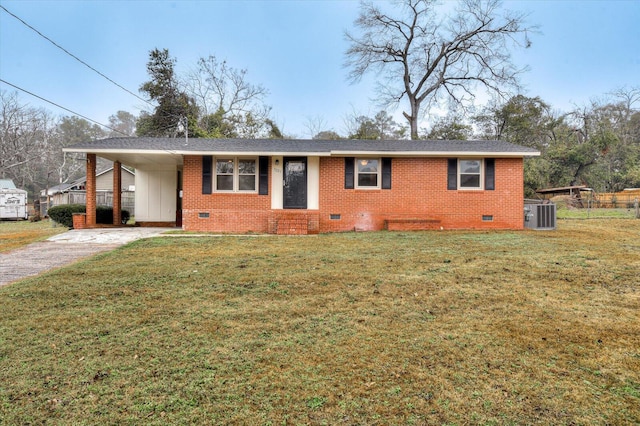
156, 195
104, 182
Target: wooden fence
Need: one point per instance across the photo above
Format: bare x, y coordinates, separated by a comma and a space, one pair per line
621, 200
103, 198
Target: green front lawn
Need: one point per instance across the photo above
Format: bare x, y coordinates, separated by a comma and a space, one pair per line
358, 329
15, 234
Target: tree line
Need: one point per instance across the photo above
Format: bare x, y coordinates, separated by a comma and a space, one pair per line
597, 144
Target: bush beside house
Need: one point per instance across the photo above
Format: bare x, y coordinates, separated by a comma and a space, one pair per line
63, 214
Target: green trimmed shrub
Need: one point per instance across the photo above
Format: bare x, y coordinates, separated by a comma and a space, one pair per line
125, 216
63, 214
104, 215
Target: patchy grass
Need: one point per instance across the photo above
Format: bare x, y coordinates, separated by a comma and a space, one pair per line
358, 328
15, 234
564, 213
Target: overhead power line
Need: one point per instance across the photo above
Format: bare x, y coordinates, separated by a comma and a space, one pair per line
74, 56
61, 107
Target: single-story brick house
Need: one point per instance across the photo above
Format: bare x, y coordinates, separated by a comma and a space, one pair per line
312, 186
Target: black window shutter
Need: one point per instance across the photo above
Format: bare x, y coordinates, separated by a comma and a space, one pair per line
349, 164
490, 174
386, 173
452, 173
207, 162
263, 176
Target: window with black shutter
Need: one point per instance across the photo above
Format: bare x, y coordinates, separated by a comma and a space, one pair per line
471, 174
234, 174
367, 171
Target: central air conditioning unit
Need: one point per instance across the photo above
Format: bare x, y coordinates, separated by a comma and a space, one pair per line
541, 217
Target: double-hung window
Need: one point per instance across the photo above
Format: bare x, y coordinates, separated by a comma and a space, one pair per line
235, 174
368, 172
470, 174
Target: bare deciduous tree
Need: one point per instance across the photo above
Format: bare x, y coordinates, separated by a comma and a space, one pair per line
31, 142
222, 90
424, 55
23, 138
315, 125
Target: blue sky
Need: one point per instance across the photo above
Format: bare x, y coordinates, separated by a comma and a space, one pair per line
293, 48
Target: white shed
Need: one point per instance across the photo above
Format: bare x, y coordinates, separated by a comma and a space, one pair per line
13, 201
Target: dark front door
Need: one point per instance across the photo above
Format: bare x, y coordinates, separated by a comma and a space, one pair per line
295, 183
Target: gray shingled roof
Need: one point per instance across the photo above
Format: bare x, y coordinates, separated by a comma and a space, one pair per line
80, 181
310, 146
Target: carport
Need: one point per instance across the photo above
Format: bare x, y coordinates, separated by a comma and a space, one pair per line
158, 184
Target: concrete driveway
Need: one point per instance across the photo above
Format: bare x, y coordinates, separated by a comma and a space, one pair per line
117, 236
66, 248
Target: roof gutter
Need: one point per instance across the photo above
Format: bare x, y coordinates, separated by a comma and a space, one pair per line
437, 154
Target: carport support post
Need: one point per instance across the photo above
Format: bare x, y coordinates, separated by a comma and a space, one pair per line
117, 192
91, 190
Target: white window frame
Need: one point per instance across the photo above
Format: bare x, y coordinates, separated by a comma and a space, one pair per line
480, 175
236, 175
357, 173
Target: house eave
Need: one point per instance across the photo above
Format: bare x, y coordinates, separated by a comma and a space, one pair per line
133, 157
119, 151
439, 154
256, 153
333, 153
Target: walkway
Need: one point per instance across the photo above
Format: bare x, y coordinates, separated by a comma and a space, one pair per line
66, 248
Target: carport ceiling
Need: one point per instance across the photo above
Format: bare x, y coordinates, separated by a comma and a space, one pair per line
142, 159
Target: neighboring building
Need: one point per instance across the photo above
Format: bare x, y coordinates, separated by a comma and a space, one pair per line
75, 192
311, 186
104, 182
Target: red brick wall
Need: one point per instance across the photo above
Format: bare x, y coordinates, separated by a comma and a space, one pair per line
240, 213
419, 191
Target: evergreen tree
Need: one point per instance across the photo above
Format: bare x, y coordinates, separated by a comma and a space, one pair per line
174, 107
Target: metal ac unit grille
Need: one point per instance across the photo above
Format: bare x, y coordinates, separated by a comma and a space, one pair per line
540, 216
546, 216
